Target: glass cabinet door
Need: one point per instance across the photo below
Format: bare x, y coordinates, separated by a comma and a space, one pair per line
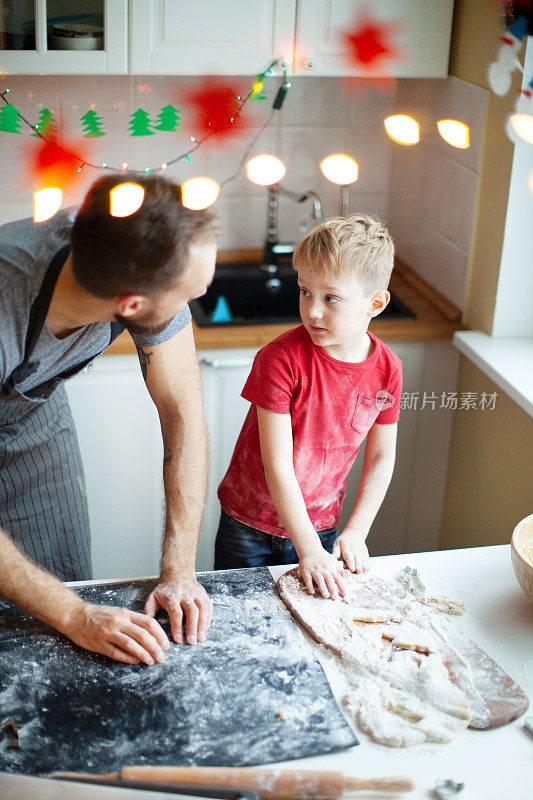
78, 26
62, 37
17, 25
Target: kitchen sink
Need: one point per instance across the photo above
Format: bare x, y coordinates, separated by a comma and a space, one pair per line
241, 294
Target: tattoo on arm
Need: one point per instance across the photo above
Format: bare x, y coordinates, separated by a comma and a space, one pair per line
144, 360
167, 455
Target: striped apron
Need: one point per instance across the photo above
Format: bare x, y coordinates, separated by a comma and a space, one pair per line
43, 505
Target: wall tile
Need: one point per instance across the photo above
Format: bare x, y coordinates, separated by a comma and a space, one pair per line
440, 263
317, 102
244, 222
369, 105
222, 159
302, 150
449, 198
110, 98
406, 177
372, 149
30, 93
467, 103
401, 225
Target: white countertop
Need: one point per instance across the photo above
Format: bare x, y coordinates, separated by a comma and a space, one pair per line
495, 764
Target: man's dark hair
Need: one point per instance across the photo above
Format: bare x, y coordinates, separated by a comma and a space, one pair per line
142, 253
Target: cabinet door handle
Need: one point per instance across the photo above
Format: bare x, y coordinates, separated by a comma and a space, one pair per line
218, 363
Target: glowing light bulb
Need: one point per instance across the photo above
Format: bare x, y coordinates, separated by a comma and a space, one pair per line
46, 203
521, 125
124, 165
163, 165
455, 133
125, 199
199, 193
265, 170
340, 169
403, 129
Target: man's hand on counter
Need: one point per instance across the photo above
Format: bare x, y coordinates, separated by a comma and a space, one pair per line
118, 633
182, 597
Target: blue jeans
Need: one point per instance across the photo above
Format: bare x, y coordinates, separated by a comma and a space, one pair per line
238, 545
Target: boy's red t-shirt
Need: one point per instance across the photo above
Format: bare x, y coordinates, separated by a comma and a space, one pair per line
332, 404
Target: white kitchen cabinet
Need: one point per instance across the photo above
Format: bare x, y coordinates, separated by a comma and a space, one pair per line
224, 374
16, 19
173, 37
423, 34
122, 453
176, 37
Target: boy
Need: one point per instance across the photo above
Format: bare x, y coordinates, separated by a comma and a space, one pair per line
317, 391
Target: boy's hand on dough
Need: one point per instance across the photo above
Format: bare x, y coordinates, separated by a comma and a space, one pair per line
351, 547
321, 568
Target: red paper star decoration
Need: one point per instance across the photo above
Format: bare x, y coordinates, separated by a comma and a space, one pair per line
216, 110
52, 164
370, 43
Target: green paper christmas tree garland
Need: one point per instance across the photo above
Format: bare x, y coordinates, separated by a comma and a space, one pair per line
9, 120
92, 125
46, 124
168, 119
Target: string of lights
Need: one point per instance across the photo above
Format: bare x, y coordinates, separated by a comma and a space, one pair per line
196, 144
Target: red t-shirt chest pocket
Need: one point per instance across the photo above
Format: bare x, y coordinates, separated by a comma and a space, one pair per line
366, 412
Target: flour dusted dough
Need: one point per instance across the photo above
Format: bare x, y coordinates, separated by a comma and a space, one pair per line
373, 615
409, 637
444, 604
387, 671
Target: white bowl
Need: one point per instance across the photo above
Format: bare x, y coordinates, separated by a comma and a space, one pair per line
76, 43
522, 554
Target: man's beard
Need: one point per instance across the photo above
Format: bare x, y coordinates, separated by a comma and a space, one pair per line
142, 328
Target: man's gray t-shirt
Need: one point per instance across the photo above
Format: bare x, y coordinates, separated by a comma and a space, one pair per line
26, 250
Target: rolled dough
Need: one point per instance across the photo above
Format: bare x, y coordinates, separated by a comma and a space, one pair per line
386, 671
448, 673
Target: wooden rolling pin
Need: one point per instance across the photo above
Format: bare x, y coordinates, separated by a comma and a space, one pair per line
274, 784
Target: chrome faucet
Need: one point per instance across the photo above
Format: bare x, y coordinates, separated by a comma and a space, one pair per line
273, 248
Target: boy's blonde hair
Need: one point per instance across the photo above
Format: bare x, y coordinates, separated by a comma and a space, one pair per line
357, 246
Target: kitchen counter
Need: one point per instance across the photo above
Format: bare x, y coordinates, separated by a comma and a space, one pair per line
436, 317
493, 764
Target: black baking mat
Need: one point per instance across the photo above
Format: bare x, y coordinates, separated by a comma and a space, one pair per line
253, 693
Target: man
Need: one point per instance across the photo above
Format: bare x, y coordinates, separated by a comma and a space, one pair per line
68, 288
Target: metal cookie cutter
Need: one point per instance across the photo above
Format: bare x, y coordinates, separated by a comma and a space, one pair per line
409, 577
528, 725
445, 788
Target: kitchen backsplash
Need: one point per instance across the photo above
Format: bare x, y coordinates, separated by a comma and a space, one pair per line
425, 193
433, 186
